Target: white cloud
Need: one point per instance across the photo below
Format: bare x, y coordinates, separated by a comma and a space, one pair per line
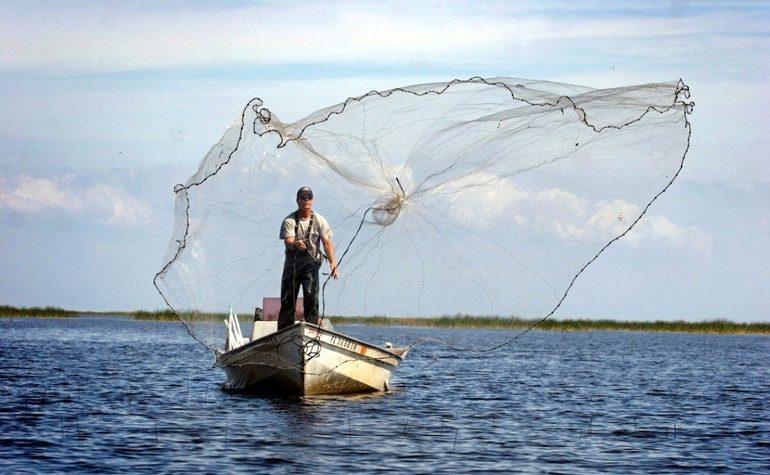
566, 215
572, 217
480, 198
569, 216
117, 206
108, 204
613, 217
130, 38
118, 36
27, 194
659, 228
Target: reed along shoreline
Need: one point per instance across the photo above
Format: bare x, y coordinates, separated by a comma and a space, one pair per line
721, 326
466, 321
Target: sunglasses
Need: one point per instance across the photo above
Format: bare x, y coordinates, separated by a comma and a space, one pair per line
306, 197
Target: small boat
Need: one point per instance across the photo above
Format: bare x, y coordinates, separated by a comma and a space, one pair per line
304, 359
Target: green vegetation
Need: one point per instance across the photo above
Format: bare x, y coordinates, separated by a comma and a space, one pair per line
169, 315
467, 321
456, 321
8, 311
55, 312
161, 315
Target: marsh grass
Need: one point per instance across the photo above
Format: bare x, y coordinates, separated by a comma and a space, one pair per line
169, 315
160, 315
49, 312
467, 321
155, 315
457, 321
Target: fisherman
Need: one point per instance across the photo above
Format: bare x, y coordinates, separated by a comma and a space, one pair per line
302, 232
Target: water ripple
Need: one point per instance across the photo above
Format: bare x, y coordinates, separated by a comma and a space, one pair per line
108, 395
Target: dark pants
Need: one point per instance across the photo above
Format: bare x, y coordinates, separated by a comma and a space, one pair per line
299, 269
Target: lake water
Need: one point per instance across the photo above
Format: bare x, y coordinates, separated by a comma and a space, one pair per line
113, 395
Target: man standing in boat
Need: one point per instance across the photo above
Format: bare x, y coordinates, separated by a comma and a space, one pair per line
302, 233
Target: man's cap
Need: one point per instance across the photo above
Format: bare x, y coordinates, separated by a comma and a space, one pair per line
304, 190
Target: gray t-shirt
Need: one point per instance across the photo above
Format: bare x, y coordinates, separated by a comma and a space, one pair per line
321, 229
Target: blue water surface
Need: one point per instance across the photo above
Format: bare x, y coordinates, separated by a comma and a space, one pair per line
114, 395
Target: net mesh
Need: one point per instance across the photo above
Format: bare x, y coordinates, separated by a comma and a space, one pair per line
474, 197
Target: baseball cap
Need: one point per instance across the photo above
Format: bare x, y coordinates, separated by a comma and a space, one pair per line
304, 191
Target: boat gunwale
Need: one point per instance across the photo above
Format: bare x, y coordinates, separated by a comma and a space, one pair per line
232, 353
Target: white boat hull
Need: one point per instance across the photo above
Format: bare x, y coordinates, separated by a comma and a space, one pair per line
306, 359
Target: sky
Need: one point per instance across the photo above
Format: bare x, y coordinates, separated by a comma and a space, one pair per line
107, 105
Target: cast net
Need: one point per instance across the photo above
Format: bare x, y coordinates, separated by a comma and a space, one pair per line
476, 197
